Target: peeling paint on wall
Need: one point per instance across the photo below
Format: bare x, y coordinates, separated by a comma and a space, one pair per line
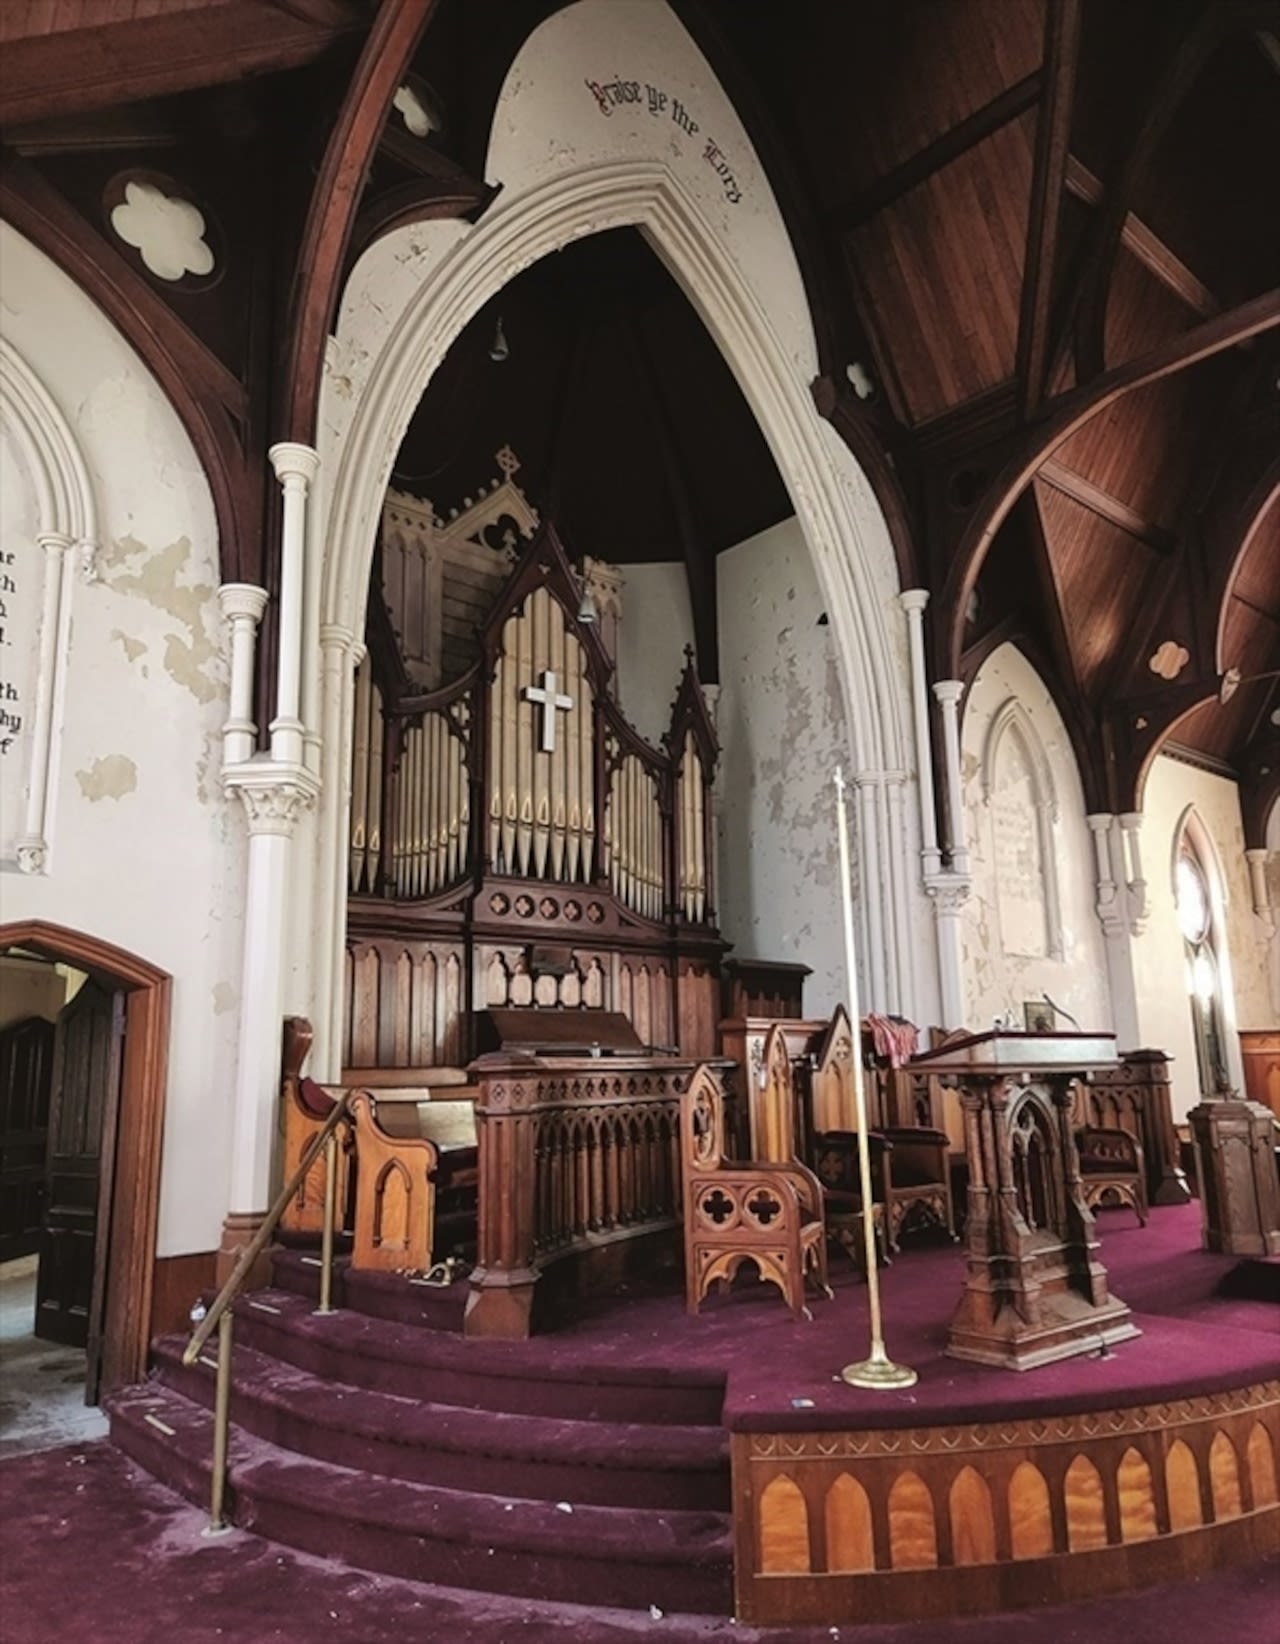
132, 648
190, 660
108, 778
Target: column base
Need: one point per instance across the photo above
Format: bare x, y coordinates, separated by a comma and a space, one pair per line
238, 1230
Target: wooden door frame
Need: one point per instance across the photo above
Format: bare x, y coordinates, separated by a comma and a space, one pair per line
131, 1252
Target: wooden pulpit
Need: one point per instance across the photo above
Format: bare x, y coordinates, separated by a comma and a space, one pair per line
1035, 1291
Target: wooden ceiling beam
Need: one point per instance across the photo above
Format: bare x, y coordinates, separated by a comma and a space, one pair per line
1182, 68
1105, 506
335, 200
1061, 418
1149, 249
1048, 178
76, 70
966, 134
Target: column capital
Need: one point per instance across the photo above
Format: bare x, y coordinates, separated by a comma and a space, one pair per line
1130, 821
290, 459
274, 794
1099, 821
913, 599
335, 636
948, 690
242, 601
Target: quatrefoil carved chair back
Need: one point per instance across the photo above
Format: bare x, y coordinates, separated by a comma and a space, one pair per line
767, 1214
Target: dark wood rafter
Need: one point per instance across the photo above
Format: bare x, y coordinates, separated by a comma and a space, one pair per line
335, 201
1231, 532
966, 134
128, 60
699, 561
1063, 417
1053, 139
212, 403
1105, 506
1188, 56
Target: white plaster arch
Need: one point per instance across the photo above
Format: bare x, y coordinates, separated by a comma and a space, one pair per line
507, 241
1192, 831
66, 529
418, 294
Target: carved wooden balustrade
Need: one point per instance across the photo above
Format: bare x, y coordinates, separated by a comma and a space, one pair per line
579, 1159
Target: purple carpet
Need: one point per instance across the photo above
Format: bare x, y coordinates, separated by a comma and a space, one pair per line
591, 1466
93, 1549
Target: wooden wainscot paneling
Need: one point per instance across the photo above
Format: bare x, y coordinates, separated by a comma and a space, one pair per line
907, 1524
177, 1283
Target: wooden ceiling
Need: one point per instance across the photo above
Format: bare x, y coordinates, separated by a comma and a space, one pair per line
1046, 230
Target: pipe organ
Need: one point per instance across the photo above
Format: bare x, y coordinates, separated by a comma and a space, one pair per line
513, 840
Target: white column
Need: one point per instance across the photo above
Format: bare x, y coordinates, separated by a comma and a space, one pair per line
896, 925
339, 659
948, 693
1260, 891
949, 892
295, 467
312, 591
873, 886
242, 604
913, 602
32, 849
1135, 884
1114, 914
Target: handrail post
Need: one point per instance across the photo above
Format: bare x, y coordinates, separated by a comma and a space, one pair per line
221, 1416
326, 1236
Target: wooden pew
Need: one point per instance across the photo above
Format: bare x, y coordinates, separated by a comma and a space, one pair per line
415, 1157
304, 1107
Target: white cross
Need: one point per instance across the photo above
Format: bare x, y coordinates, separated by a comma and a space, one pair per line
546, 695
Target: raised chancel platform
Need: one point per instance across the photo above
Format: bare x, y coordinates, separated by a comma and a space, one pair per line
718, 1462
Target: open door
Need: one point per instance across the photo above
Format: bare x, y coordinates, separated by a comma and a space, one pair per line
26, 1063
84, 1096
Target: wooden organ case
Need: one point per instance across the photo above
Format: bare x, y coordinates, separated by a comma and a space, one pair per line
514, 842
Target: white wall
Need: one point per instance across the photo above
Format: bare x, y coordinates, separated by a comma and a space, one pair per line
144, 850
1159, 956
782, 733
998, 981
657, 624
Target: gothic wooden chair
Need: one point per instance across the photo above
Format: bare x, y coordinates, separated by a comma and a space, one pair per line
769, 1214
1112, 1169
919, 1190
832, 1128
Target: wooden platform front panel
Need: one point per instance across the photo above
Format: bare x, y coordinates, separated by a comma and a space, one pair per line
906, 1524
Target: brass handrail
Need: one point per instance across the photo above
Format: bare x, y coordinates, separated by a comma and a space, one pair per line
219, 1314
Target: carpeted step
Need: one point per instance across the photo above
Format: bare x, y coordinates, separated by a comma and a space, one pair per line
588, 1555
1256, 1278
542, 1377
391, 1296
619, 1464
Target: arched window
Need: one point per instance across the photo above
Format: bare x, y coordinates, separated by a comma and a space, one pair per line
1204, 984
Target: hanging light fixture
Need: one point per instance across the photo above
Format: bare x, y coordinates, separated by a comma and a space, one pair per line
499, 348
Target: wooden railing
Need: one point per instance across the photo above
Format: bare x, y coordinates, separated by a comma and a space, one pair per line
575, 1157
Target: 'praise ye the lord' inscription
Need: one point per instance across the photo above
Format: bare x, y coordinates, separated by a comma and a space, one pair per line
660, 104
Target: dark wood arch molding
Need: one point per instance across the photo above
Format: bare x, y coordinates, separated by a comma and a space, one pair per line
331, 217
136, 1198
1063, 418
207, 398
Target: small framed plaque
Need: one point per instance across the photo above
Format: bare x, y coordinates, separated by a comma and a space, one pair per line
1039, 1016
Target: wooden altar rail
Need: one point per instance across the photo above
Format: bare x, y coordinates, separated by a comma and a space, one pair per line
577, 1156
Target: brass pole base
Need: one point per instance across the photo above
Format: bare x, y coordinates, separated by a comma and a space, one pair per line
878, 1371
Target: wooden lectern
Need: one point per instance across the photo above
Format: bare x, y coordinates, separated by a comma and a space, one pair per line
1035, 1290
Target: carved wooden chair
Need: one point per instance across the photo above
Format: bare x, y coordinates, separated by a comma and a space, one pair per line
769, 1214
919, 1189
832, 1129
1112, 1169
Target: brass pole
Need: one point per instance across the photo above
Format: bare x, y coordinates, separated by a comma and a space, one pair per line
221, 1413
877, 1370
326, 1232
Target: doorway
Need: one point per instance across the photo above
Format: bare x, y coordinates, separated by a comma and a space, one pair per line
81, 1123
61, 1039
